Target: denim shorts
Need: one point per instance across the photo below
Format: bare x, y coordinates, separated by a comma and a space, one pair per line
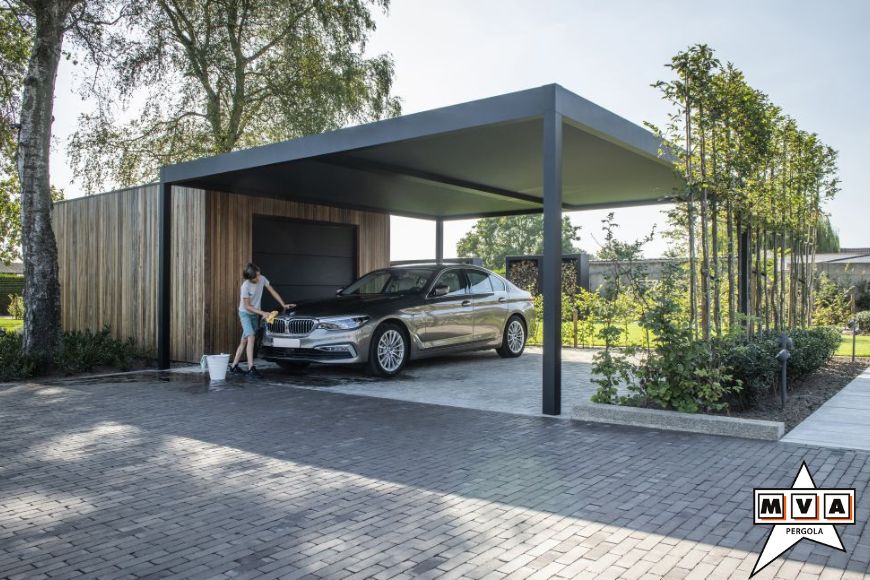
250, 322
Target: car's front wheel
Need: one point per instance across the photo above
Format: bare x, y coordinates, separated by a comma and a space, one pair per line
388, 351
514, 340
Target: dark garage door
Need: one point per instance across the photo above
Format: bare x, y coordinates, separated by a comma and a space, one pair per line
304, 259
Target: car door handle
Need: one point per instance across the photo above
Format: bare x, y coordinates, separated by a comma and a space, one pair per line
502, 299
466, 302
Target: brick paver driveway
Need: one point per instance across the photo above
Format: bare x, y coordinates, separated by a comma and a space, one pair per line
145, 477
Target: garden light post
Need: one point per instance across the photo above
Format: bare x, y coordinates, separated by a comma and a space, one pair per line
786, 345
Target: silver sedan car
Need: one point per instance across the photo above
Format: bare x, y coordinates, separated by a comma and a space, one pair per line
397, 314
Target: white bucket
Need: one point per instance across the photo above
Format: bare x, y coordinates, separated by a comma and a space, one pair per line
216, 364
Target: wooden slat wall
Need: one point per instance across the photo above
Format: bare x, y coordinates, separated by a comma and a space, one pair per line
229, 221
107, 253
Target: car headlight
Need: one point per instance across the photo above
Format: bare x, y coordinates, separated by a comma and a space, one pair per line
342, 323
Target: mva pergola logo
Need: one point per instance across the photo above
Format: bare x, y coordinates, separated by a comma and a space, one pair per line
802, 511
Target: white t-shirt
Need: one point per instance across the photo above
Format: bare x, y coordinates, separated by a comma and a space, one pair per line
252, 291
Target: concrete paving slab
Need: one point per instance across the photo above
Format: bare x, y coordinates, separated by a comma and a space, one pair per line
477, 380
481, 380
842, 422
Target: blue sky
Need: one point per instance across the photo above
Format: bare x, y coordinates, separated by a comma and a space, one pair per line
810, 57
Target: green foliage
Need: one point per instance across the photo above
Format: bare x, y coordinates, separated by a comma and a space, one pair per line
863, 319
13, 363
744, 163
14, 54
81, 352
752, 360
832, 303
862, 295
492, 239
613, 368
221, 75
827, 239
16, 306
85, 350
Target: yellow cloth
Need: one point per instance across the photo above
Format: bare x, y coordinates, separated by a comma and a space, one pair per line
271, 316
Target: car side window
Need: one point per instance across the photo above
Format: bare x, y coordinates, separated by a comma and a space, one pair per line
454, 282
479, 282
497, 283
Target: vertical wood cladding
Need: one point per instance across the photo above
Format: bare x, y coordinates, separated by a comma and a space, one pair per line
107, 253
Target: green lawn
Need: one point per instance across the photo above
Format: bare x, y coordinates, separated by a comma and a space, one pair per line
8, 323
633, 336
862, 346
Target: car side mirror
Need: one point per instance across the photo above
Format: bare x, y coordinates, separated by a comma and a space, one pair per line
440, 290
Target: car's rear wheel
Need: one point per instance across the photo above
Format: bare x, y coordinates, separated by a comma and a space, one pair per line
388, 350
514, 340
293, 366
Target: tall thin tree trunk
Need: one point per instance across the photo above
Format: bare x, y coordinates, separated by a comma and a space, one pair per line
775, 289
764, 243
41, 334
705, 252
732, 286
690, 210
717, 284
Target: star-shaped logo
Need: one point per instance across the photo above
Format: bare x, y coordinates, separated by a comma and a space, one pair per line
801, 512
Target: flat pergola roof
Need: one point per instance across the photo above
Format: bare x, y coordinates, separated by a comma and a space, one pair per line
542, 150
476, 159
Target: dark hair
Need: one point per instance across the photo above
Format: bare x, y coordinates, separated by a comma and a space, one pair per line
250, 271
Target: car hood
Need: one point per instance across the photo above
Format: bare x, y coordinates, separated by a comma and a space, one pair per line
341, 305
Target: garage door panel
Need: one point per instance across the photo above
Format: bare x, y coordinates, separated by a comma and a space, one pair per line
313, 239
303, 260
296, 293
305, 270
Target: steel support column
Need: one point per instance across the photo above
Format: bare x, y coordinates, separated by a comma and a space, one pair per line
164, 281
439, 240
552, 264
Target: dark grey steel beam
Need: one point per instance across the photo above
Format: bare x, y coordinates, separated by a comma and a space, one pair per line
164, 281
439, 241
552, 264
428, 177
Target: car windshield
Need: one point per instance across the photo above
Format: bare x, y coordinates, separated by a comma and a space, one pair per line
399, 281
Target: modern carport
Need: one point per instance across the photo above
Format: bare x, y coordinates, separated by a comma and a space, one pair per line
540, 150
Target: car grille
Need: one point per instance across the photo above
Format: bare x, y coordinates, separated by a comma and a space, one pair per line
297, 326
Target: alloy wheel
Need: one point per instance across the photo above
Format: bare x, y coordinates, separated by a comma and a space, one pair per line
516, 336
391, 350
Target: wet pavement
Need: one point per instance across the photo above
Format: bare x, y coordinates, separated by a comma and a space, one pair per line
477, 380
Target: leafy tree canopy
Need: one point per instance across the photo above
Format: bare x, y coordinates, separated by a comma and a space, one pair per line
14, 54
491, 239
180, 79
827, 238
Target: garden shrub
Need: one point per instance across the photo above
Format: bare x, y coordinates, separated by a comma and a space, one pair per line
863, 319
13, 364
81, 351
16, 306
85, 350
752, 360
832, 303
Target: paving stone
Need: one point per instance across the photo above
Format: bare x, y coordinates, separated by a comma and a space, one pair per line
144, 476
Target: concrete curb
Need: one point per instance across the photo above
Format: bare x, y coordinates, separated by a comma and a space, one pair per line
675, 421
